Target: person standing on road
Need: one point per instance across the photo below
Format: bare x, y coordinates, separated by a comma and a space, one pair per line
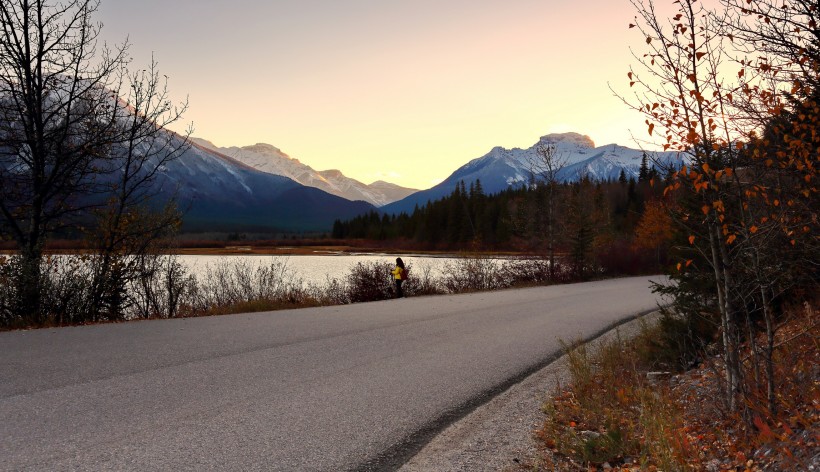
399, 274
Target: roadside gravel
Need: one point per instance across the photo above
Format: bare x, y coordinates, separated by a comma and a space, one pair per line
497, 436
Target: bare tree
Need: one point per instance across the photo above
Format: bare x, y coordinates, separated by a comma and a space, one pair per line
74, 125
545, 168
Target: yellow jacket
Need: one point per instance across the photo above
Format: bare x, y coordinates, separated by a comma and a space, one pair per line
397, 273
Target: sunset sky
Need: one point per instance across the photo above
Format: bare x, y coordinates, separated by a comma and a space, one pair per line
405, 91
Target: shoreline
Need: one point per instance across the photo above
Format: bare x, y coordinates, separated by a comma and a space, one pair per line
249, 250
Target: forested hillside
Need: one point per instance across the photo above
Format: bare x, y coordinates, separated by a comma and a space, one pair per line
589, 219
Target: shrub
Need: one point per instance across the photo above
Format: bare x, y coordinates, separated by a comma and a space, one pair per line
470, 274
370, 281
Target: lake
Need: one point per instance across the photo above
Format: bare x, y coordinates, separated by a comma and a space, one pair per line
317, 268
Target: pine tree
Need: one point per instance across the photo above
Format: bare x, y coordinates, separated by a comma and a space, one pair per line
643, 174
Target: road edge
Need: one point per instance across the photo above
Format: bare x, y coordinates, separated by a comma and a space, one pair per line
435, 445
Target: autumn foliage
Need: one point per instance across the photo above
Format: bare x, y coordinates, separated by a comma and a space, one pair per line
736, 89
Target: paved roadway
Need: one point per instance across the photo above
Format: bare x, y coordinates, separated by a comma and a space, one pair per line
357, 387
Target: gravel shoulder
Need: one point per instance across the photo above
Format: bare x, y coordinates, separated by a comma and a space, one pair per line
497, 436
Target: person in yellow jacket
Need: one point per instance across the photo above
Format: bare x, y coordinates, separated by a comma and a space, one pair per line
400, 275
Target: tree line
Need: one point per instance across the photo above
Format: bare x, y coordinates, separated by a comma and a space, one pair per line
582, 220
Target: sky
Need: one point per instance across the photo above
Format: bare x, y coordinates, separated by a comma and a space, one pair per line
402, 91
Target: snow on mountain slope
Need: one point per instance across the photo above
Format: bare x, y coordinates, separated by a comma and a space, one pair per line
501, 168
217, 192
270, 159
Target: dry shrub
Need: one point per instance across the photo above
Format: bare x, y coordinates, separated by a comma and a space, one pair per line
472, 274
610, 413
421, 281
370, 281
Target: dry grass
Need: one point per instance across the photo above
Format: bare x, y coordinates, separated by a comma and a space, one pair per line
612, 414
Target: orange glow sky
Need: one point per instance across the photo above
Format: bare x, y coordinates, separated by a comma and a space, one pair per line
405, 91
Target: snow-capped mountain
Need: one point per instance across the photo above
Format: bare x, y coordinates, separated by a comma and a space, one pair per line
501, 168
219, 193
270, 159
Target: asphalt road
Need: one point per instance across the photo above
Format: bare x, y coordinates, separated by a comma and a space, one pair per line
357, 387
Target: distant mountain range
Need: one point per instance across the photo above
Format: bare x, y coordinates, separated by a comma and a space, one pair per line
270, 159
502, 168
220, 193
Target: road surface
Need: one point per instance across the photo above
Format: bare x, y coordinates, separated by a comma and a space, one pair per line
356, 387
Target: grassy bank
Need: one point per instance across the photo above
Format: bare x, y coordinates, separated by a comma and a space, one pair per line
631, 406
161, 287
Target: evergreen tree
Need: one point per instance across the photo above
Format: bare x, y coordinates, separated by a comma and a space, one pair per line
643, 173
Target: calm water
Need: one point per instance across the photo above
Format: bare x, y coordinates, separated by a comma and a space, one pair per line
316, 268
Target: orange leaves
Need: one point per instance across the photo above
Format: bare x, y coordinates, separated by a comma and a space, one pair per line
692, 239
753, 229
766, 433
692, 136
731, 239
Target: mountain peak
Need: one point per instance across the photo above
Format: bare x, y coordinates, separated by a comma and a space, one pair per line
203, 142
581, 140
331, 173
263, 148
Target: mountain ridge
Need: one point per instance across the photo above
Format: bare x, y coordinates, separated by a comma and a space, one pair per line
268, 158
502, 168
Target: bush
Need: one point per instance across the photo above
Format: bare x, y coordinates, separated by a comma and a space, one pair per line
471, 274
370, 281
421, 281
